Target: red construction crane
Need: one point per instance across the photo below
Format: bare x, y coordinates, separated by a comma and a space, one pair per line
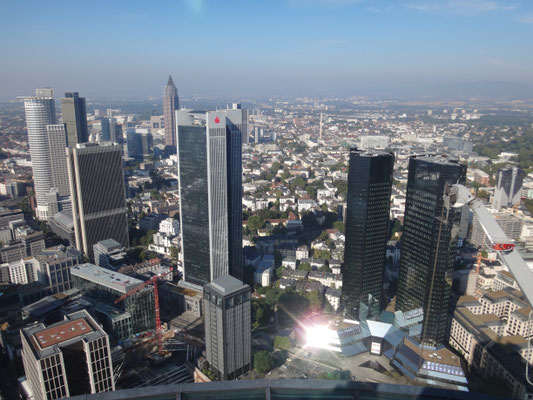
152, 280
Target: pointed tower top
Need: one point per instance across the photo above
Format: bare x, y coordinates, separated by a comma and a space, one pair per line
170, 81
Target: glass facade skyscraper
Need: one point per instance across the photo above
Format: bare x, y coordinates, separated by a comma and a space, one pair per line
367, 229
171, 103
75, 118
428, 243
210, 177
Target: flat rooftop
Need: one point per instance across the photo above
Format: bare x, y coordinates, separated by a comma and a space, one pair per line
61, 333
105, 277
227, 284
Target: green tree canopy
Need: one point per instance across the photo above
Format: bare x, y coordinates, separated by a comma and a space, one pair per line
255, 222
304, 267
282, 343
339, 225
262, 361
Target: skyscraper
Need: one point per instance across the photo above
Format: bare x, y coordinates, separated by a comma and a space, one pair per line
508, 187
98, 197
428, 243
69, 358
75, 118
228, 330
171, 103
40, 112
239, 118
367, 229
57, 142
210, 178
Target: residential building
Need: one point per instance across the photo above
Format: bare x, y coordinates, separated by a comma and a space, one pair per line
210, 185
68, 358
228, 331
171, 103
98, 194
75, 118
367, 231
428, 243
169, 226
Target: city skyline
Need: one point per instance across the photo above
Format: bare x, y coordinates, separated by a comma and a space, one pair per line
293, 47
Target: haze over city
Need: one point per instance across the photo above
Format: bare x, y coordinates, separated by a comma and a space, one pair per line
404, 48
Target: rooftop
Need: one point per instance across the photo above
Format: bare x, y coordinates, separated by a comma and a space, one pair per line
227, 284
62, 332
105, 277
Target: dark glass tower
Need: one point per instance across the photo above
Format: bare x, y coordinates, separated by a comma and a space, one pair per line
210, 177
428, 243
171, 103
98, 195
75, 118
367, 228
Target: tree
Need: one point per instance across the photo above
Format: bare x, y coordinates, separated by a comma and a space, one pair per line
322, 254
276, 166
305, 267
255, 222
339, 225
323, 236
324, 268
297, 183
340, 375
315, 299
282, 343
262, 361
174, 253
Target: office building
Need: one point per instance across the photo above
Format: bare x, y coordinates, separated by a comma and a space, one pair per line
105, 286
171, 103
374, 142
68, 358
52, 267
24, 246
75, 118
139, 144
238, 117
40, 112
508, 188
210, 185
62, 225
109, 254
428, 243
367, 232
115, 131
57, 141
98, 196
228, 331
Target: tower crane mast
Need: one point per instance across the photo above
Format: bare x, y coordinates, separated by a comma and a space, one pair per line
152, 280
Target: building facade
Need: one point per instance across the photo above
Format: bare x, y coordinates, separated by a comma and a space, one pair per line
508, 187
69, 358
210, 185
57, 142
428, 243
105, 286
75, 118
367, 231
228, 331
171, 103
40, 112
98, 197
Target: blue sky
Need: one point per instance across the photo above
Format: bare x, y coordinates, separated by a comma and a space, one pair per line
392, 48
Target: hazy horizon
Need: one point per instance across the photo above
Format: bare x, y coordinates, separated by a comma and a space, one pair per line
389, 49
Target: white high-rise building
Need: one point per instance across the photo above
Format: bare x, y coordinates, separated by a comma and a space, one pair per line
40, 112
57, 142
